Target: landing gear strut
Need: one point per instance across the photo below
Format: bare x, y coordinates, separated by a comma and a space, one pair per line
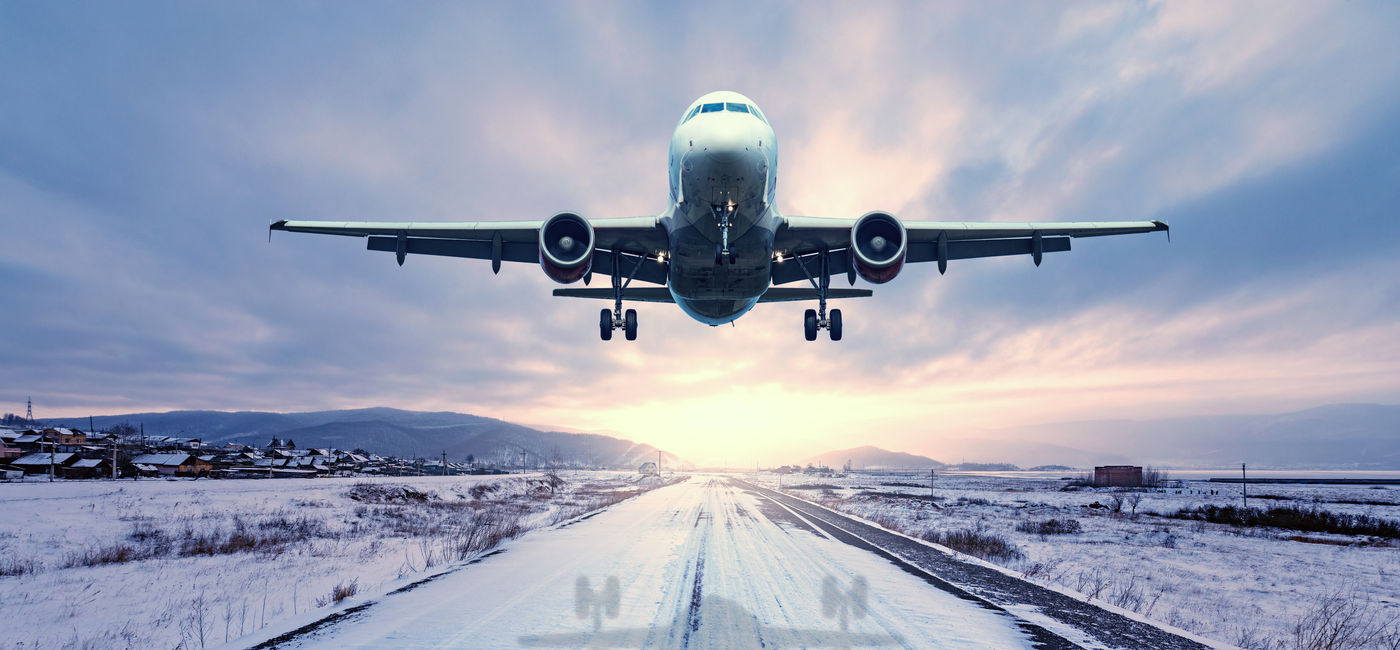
817, 319
723, 214
616, 319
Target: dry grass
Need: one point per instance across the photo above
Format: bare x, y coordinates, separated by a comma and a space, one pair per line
339, 592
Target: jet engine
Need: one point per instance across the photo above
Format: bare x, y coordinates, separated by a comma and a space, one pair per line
879, 245
566, 247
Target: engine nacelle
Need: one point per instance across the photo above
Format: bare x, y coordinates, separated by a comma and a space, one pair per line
879, 245
566, 247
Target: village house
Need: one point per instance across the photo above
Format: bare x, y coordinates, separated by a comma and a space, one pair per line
172, 464
30, 442
38, 462
65, 437
87, 468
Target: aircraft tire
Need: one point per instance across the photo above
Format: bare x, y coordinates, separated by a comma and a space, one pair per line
605, 324
835, 328
629, 320
809, 324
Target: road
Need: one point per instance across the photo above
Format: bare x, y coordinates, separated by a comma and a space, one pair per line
707, 563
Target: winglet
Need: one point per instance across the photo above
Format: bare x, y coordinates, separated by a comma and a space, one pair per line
1162, 225
280, 224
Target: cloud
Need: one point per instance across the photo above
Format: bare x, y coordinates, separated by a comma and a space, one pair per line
139, 165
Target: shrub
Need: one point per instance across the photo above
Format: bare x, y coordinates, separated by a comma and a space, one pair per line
1343, 620
988, 546
1310, 520
115, 553
14, 566
1051, 527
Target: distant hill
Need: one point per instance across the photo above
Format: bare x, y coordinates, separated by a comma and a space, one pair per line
392, 432
869, 457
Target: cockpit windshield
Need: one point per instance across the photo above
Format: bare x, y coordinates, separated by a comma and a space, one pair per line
732, 107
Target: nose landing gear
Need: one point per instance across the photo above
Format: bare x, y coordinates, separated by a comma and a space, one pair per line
723, 213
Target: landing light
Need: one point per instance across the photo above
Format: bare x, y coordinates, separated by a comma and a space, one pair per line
780, 258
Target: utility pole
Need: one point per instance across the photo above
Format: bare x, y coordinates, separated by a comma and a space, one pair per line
51, 444
658, 463
444, 462
1244, 486
931, 474
114, 457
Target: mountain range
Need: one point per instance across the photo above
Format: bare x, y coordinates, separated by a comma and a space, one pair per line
870, 457
1339, 436
392, 432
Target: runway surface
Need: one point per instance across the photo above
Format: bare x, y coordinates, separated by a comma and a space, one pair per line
707, 563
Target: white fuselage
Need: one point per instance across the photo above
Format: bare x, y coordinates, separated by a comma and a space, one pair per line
723, 176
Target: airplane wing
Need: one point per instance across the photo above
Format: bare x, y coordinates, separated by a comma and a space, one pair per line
938, 241
623, 239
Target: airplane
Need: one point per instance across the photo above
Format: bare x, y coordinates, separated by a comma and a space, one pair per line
721, 246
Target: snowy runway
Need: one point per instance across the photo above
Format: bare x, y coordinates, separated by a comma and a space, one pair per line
702, 564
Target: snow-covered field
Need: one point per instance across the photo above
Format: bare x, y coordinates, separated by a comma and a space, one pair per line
1247, 586
157, 563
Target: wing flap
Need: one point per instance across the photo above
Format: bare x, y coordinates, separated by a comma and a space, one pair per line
651, 270
968, 249
511, 251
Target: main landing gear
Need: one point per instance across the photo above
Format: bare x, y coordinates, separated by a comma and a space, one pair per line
625, 321
616, 318
817, 319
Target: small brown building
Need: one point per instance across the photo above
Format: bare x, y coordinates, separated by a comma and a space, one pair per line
1118, 476
87, 468
66, 437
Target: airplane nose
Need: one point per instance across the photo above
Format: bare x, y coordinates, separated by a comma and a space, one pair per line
727, 147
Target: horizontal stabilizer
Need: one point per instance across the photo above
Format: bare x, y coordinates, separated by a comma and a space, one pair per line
639, 294
794, 294
661, 294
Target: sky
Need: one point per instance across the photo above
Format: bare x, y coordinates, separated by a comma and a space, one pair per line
145, 147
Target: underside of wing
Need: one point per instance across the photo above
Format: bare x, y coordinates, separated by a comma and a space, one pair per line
628, 242
882, 241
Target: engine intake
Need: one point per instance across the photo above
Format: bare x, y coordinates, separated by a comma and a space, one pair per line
879, 245
566, 247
